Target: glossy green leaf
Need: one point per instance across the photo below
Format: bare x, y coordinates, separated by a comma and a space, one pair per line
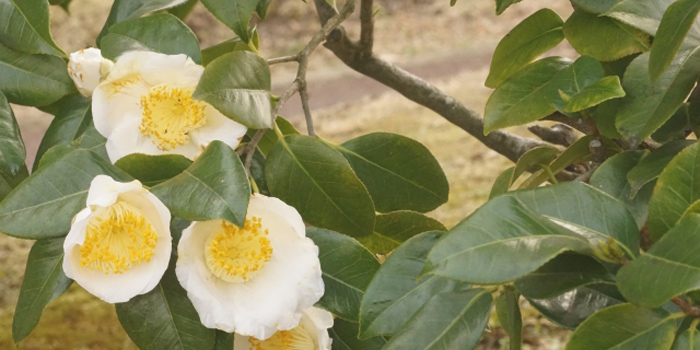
392, 229
345, 337
72, 119
152, 170
503, 227
677, 188
451, 320
25, 27
261, 9
650, 167
573, 79
674, 26
164, 318
681, 123
215, 186
594, 6
564, 273
223, 341
213, 52
502, 183
523, 98
509, 316
534, 159
586, 211
238, 85
641, 14
625, 327
257, 171
502, 5
399, 172
592, 95
604, 38
604, 117
183, 10
571, 308
33, 80
12, 152
316, 180
234, 14
688, 340
347, 267
123, 10
611, 178
145, 34
269, 139
396, 292
532, 37
91, 140
43, 282
55, 192
671, 267
651, 105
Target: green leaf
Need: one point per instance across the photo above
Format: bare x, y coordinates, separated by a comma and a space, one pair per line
347, 267
257, 171
681, 123
12, 152
399, 172
55, 193
392, 229
594, 6
261, 9
572, 80
269, 139
670, 268
677, 188
586, 211
452, 320
650, 167
238, 85
344, 335
604, 38
316, 180
641, 14
532, 37
502, 5
215, 186
592, 95
72, 119
688, 340
43, 282
91, 140
224, 341
502, 183
509, 316
145, 34
152, 170
674, 26
396, 292
564, 273
213, 52
164, 318
183, 10
523, 97
234, 14
123, 10
625, 327
651, 105
503, 227
33, 80
571, 308
25, 27
611, 178
534, 159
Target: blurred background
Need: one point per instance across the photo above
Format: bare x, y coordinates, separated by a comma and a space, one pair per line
450, 47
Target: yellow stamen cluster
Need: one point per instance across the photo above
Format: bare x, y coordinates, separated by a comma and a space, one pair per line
295, 339
169, 114
237, 254
117, 238
118, 85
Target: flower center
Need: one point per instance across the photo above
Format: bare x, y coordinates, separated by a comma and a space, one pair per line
117, 238
296, 339
237, 254
169, 114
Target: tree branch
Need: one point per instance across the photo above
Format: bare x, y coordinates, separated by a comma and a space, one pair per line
366, 28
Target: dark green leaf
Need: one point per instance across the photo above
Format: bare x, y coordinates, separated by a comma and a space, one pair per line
641, 14
399, 172
56, 193
145, 34
33, 80
183, 10
224, 341
25, 27
392, 229
502, 183
573, 79
604, 38
571, 308
123, 10
268, 141
651, 166
316, 180
344, 335
396, 292
213, 52
509, 316
625, 327
257, 171
12, 152
674, 26
681, 123
534, 159
91, 140
594, 6
73, 117
502, 5
238, 85
452, 320
215, 186
43, 282
528, 40
347, 267
234, 14
594, 94
152, 170
688, 340
604, 117
261, 10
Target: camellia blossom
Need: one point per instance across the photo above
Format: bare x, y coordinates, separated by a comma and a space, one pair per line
145, 105
255, 280
310, 334
119, 246
87, 68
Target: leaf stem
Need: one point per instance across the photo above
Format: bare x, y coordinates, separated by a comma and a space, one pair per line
549, 172
253, 184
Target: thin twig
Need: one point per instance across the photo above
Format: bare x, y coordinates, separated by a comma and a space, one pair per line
304, 95
366, 28
283, 59
688, 309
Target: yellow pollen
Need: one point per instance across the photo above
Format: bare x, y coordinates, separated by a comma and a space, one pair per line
118, 85
237, 254
117, 238
169, 114
295, 339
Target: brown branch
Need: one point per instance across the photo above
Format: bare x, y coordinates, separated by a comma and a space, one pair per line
366, 28
688, 309
284, 59
559, 134
304, 95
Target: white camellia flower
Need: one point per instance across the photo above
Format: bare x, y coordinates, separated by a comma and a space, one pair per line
87, 68
310, 334
145, 105
254, 280
119, 246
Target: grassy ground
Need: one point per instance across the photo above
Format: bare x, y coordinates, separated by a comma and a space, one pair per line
412, 31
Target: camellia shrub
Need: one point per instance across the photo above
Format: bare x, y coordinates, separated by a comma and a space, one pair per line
168, 185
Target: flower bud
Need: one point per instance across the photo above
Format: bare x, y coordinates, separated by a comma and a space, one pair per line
87, 67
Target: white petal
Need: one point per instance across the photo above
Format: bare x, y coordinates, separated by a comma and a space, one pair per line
178, 70
218, 127
261, 205
323, 320
104, 190
110, 109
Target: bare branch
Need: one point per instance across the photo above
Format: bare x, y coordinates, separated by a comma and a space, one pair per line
366, 28
559, 134
304, 95
283, 59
